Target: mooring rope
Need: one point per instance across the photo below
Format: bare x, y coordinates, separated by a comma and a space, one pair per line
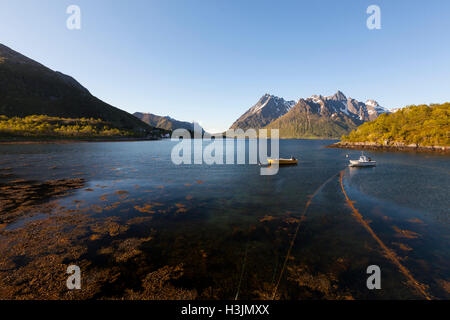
302, 217
242, 272
389, 253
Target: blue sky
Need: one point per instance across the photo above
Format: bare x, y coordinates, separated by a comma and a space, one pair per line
210, 60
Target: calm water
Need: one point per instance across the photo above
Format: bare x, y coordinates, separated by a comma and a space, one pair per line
232, 228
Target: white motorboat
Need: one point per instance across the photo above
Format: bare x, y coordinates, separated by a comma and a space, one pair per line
363, 162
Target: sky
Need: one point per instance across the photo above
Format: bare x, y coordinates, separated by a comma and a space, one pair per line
210, 60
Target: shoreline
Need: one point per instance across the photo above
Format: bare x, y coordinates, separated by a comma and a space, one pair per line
393, 148
67, 141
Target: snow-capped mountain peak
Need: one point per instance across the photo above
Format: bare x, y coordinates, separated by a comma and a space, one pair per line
267, 109
372, 103
373, 107
338, 106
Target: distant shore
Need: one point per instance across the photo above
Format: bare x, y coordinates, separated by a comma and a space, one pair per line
392, 147
64, 141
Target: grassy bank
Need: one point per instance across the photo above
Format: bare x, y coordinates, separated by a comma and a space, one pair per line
42, 128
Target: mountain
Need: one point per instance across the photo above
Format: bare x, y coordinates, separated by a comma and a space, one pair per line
392, 110
413, 126
29, 88
166, 122
316, 117
267, 109
325, 117
339, 103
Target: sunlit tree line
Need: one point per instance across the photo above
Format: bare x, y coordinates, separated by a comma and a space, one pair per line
45, 126
422, 125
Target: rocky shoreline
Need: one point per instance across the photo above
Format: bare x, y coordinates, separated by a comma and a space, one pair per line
396, 146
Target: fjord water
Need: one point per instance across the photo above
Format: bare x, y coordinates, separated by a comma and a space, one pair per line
241, 235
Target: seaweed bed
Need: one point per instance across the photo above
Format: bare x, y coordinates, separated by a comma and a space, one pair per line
126, 248
34, 258
113, 259
18, 197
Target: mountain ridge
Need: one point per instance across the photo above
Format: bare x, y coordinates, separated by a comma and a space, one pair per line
30, 88
164, 122
267, 109
314, 117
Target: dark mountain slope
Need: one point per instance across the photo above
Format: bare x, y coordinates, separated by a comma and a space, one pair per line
166, 123
29, 88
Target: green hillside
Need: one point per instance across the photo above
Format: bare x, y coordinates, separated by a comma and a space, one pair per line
415, 125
